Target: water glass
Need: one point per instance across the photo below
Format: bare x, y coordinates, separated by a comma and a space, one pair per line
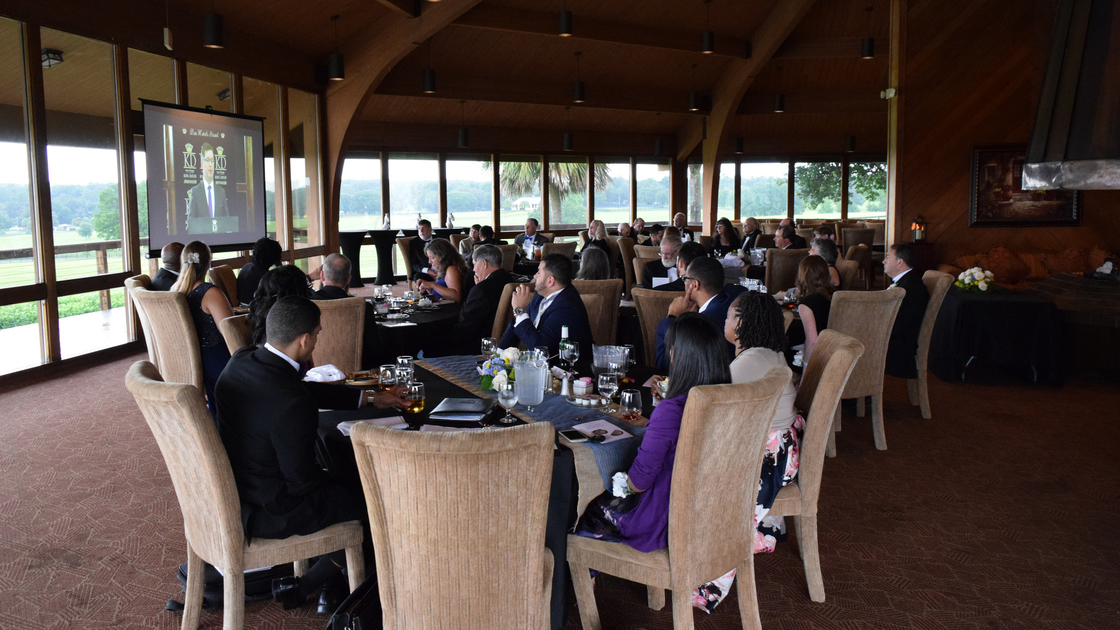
388, 376
608, 385
507, 398
409, 296
631, 360
630, 404
530, 382
489, 347
415, 396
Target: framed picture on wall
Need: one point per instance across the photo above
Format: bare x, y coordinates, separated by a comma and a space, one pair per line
998, 199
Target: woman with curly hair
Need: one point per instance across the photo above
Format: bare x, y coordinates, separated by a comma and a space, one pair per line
453, 278
277, 283
208, 306
725, 240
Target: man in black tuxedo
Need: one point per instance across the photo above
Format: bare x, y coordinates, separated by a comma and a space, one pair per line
681, 224
688, 253
417, 257
667, 266
751, 232
797, 240
641, 237
335, 278
656, 232
706, 293
903, 347
208, 200
530, 236
538, 318
268, 418
476, 320
169, 273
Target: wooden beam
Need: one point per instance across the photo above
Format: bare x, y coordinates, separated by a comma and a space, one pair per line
407, 8
442, 159
129, 208
833, 48
282, 201
865, 101
895, 79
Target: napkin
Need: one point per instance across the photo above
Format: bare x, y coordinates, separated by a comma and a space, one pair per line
393, 422
324, 374
396, 324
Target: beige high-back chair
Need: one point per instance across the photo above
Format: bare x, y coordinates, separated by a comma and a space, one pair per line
805, 233
340, 342
223, 278
174, 336
567, 250
405, 245
235, 330
765, 240
626, 252
639, 266
130, 285
831, 364
861, 255
208, 499
869, 317
456, 239
504, 314
848, 270
465, 556
601, 299
722, 436
937, 283
652, 307
612, 243
509, 256
703, 239
781, 268
583, 238
647, 251
550, 236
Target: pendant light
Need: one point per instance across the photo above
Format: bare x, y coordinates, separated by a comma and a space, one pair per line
578, 93
708, 40
739, 145
565, 26
336, 65
867, 47
850, 145
429, 73
464, 133
569, 141
779, 98
213, 29
693, 96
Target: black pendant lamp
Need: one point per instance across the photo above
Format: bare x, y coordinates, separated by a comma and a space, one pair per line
579, 94
694, 98
336, 65
213, 29
565, 27
429, 73
867, 46
739, 145
657, 148
464, 133
708, 39
850, 145
569, 141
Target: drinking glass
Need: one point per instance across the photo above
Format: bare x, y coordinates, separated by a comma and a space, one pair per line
608, 385
570, 353
618, 368
410, 296
387, 290
388, 376
507, 398
405, 361
530, 382
630, 404
415, 396
631, 360
489, 347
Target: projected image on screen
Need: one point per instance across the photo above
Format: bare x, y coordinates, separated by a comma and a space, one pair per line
205, 177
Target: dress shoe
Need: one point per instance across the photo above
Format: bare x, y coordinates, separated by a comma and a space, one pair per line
286, 591
329, 600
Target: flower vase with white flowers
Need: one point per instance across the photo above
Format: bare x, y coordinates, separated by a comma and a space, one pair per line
975, 280
498, 370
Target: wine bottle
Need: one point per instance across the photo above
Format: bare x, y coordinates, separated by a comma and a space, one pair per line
564, 360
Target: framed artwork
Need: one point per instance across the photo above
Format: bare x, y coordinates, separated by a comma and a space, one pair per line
998, 199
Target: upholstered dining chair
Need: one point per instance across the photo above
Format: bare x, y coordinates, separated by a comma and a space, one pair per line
861, 255
173, 334
612, 244
583, 238
781, 268
937, 283
504, 314
626, 252
806, 233
405, 245
207, 493
869, 317
456, 239
639, 264
722, 436
848, 270
340, 342
823, 380
652, 307
509, 256
550, 236
703, 239
223, 278
145, 282
451, 552
765, 240
647, 251
601, 299
567, 250
235, 330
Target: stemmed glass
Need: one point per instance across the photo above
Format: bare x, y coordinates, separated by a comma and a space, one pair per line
489, 347
608, 385
630, 404
507, 398
388, 375
570, 354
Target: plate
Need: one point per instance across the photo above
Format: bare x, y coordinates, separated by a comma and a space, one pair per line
396, 316
433, 307
596, 402
363, 382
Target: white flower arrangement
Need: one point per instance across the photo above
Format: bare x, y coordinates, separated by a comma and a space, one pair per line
511, 354
620, 485
975, 280
799, 359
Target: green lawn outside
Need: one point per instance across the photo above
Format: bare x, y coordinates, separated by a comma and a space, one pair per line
27, 313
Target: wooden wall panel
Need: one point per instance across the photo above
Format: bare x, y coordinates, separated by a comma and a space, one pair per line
973, 74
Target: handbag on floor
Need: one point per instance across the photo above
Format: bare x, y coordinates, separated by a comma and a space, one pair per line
258, 585
361, 610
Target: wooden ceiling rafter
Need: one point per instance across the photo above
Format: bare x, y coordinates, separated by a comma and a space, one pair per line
406, 8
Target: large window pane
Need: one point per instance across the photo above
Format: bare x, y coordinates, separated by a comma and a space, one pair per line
413, 190
816, 190
763, 189
520, 180
150, 77
20, 335
207, 87
92, 321
82, 156
470, 192
360, 204
17, 263
612, 194
567, 192
653, 192
867, 190
307, 209
726, 201
695, 202
263, 99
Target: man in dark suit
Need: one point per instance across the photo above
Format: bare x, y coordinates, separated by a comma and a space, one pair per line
538, 318
487, 234
208, 200
681, 224
667, 266
751, 232
417, 257
476, 320
688, 253
268, 419
169, 273
903, 347
798, 241
641, 237
705, 292
530, 236
335, 278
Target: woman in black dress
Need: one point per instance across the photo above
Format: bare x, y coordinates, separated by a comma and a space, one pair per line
826, 249
208, 306
725, 240
814, 292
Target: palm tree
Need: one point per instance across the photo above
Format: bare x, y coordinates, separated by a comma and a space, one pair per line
518, 179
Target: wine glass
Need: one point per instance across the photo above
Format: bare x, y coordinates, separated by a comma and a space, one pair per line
618, 368
489, 347
388, 376
631, 360
405, 369
608, 385
570, 353
415, 395
507, 398
630, 404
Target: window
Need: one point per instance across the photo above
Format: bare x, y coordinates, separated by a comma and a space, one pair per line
520, 181
726, 198
413, 190
763, 189
653, 192
263, 99
567, 192
150, 77
470, 191
612, 192
92, 321
816, 190
207, 87
360, 203
867, 190
303, 130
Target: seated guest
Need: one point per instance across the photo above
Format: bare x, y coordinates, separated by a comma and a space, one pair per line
756, 327
688, 253
903, 346
335, 276
208, 307
266, 255
530, 236
476, 320
681, 224
825, 231
268, 419
656, 233
418, 265
671, 231
453, 278
814, 295
594, 265
639, 228
537, 319
169, 273
277, 283
596, 237
487, 235
706, 293
624, 230
826, 249
725, 240
797, 240
467, 245
751, 232
664, 268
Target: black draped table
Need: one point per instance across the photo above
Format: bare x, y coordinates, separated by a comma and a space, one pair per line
351, 243
427, 331
1002, 327
383, 242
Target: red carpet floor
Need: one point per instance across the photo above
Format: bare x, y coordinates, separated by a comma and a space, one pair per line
1001, 512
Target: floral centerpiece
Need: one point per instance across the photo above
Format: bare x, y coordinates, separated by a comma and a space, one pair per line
975, 280
498, 370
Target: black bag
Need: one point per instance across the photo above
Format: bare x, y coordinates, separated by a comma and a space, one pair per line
258, 585
361, 610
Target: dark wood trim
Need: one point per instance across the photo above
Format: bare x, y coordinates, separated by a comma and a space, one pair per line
384, 163
590, 189
129, 205
182, 95
738, 190
845, 183
238, 88
407, 8
678, 190
104, 282
26, 293
442, 159
495, 192
285, 231
895, 79
789, 189
633, 191
65, 367
546, 198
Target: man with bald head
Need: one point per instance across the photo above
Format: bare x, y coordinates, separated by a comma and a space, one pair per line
751, 232
170, 271
681, 224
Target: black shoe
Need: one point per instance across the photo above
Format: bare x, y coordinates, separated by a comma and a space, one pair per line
286, 591
329, 600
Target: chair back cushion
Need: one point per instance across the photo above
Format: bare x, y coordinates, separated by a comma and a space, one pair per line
868, 316
223, 278
176, 342
723, 434
235, 330
858, 236
504, 315
450, 544
937, 283
509, 256
848, 270
805, 233
781, 268
340, 342
601, 299
647, 251
567, 250
130, 284
626, 255
456, 239
652, 307
703, 239
765, 240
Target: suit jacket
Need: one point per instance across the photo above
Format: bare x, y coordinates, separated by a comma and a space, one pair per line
199, 209
903, 346
490, 241
687, 235
716, 309
566, 310
164, 280
676, 285
538, 240
476, 319
799, 242
269, 420
417, 259
653, 269
749, 239
248, 279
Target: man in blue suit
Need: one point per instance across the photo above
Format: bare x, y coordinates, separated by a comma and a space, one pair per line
704, 291
538, 318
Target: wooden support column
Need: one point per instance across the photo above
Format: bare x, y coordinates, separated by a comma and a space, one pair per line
895, 79
738, 189
633, 191
789, 190
678, 189
442, 158
590, 190
546, 201
385, 209
285, 232
181, 95
495, 195
845, 182
129, 206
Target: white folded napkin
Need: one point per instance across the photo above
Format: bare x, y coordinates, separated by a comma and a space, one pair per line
324, 374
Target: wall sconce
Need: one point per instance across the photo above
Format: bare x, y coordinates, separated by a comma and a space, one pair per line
918, 229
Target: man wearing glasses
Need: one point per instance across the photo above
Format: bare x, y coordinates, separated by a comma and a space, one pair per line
704, 292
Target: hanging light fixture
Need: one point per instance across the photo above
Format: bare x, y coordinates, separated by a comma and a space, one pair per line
429, 73
779, 98
867, 47
850, 145
739, 145
464, 133
569, 141
213, 29
51, 57
708, 40
565, 29
578, 92
336, 65
694, 100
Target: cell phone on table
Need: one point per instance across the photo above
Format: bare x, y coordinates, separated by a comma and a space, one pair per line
574, 436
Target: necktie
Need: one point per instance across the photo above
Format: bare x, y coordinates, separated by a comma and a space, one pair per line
210, 199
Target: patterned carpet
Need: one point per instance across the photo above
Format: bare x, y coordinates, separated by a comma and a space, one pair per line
1001, 512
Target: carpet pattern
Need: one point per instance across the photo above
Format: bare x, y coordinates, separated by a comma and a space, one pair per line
1000, 512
